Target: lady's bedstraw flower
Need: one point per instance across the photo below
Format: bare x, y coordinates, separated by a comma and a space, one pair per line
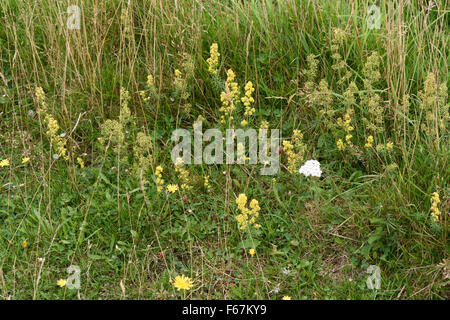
435, 212
369, 142
4, 163
248, 214
295, 151
213, 60
389, 146
311, 168
80, 162
150, 81
159, 180
182, 283
229, 97
58, 141
206, 183
183, 174
340, 145
247, 100
172, 188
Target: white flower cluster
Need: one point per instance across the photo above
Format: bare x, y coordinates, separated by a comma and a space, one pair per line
311, 168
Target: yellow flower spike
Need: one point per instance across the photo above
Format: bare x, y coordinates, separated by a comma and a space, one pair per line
435, 212
389, 146
159, 180
182, 283
150, 81
369, 143
80, 162
61, 282
340, 145
213, 60
248, 215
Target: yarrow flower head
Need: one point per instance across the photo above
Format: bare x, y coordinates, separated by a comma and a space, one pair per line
182, 282
311, 168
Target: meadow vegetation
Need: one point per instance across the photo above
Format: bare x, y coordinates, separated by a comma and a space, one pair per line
86, 176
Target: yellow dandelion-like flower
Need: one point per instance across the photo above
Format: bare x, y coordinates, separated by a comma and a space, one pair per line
25, 160
25, 244
182, 283
61, 282
252, 252
4, 163
286, 298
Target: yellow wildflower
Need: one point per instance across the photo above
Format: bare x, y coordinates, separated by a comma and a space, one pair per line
435, 212
80, 162
369, 143
25, 160
340, 145
61, 282
172, 188
286, 298
213, 60
4, 163
389, 146
248, 215
182, 283
252, 252
183, 174
25, 244
159, 180
150, 81
206, 183
348, 139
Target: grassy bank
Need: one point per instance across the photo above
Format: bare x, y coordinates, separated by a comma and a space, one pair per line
85, 132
